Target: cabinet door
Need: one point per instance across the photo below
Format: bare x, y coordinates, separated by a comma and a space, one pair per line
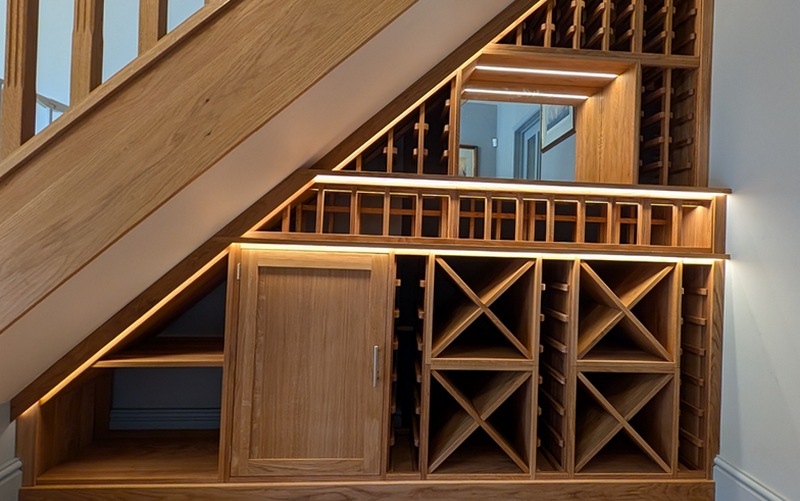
310, 341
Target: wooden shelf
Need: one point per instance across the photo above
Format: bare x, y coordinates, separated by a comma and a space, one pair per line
174, 457
168, 352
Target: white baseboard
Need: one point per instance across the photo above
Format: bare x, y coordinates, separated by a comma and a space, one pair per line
747, 486
164, 419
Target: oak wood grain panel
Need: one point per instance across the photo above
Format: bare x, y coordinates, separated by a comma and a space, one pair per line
140, 305
87, 49
652, 490
607, 129
423, 87
703, 131
27, 443
305, 401
715, 365
64, 208
19, 88
190, 458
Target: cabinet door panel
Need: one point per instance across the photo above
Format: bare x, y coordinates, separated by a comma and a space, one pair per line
305, 402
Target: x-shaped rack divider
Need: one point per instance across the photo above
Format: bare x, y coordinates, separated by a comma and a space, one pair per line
479, 411
481, 300
618, 310
606, 429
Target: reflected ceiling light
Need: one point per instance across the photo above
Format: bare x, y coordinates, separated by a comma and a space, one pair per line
535, 71
526, 94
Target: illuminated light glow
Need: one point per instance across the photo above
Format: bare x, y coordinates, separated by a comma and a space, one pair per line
469, 185
588, 256
537, 71
525, 93
109, 346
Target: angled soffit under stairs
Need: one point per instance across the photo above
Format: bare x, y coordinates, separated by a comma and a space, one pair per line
298, 136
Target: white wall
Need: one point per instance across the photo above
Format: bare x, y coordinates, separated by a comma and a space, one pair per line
10, 475
755, 150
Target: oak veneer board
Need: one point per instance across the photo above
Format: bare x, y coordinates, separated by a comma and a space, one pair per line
312, 406
607, 129
631, 490
39, 203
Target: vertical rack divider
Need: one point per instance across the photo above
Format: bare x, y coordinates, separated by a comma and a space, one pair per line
548, 24
638, 26
390, 151
454, 137
422, 129
608, 32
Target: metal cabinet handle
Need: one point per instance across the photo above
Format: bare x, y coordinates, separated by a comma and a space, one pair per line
375, 366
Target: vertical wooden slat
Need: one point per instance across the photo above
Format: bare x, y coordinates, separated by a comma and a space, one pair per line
19, 89
320, 210
390, 150
548, 24
453, 215
668, 26
487, 217
387, 212
550, 225
286, 219
454, 139
418, 215
577, 22
665, 153
608, 5
638, 26
519, 220
354, 213
359, 163
87, 49
421, 130
152, 23
705, 30
580, 221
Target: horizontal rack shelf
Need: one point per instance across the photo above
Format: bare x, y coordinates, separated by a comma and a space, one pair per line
168, 352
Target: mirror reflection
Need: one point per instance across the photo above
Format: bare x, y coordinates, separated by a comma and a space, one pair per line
517, 141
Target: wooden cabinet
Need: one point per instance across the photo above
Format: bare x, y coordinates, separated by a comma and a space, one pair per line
311, 337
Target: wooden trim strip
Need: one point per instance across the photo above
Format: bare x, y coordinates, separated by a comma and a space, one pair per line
441, 490
152, 23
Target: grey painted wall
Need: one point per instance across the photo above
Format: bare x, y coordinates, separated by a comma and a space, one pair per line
755, 151
478, 127
558, 163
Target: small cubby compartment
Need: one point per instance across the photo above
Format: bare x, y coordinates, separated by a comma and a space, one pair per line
554, 365
625, 311
624, 423
483, 307
683, 126
480, 422
623, 24
695, 346
684, 26
567, 26
597, 31
148, 410
406, 370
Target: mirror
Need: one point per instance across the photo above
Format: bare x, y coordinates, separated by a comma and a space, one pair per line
509, 141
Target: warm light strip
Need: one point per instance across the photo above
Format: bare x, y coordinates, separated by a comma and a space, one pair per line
476, 253
525, 93
469, 185
537, 71
108, 347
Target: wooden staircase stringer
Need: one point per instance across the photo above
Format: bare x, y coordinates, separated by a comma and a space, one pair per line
69, 195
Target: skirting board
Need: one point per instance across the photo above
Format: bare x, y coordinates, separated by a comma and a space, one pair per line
10, 479
627, 490
749, 486
164, 419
